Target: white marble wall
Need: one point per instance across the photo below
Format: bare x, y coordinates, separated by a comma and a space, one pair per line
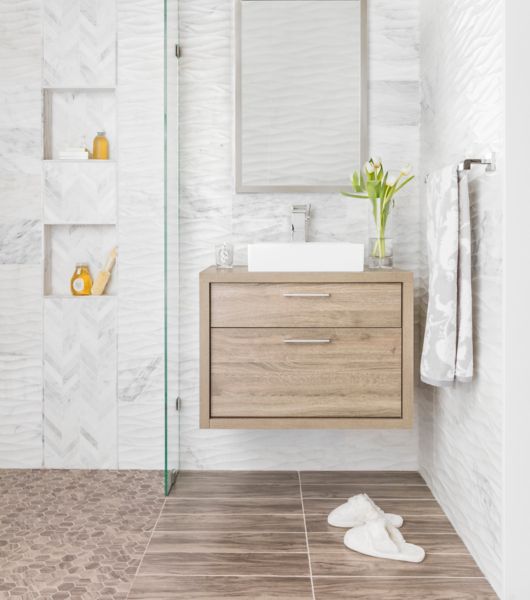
210, 212
20, 239
461, 427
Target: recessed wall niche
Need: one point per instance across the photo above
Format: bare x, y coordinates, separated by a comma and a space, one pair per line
72, 117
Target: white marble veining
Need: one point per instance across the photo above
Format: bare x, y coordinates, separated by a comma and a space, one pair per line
79, 192
20, 235
211, 212
80, 406
20, 366
79, 43
461, 427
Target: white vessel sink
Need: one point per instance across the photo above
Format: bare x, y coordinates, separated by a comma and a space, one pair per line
306, 257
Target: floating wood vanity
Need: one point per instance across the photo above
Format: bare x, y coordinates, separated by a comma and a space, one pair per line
306, 350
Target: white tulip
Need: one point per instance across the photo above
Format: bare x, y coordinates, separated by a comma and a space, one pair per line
406, 170
391, 181
369, 167
377, 162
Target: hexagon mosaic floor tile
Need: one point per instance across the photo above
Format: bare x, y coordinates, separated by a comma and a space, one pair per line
76, 535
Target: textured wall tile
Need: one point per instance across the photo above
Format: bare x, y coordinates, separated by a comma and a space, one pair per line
461, 427
80, 192
141, 232
211, 212
80, 383
79, 43
20, 366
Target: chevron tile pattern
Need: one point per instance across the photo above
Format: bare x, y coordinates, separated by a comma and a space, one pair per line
461, 439
82, 192
79, 43
76, 117
66, 245
80, 382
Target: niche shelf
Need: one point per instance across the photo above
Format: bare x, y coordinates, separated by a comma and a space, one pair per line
66, 245
73, 116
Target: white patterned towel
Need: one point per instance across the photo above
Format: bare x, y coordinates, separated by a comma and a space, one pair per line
448, 344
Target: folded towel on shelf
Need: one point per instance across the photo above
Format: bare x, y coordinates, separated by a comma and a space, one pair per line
448, 343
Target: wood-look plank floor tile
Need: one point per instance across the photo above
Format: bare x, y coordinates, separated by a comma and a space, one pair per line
198, 489
411, 526
225, 563
362, 477
449, 543
227, 541
347, 563
220, 588
202, 522
223, 506
238, 477
376, 492
402, 589
324, 506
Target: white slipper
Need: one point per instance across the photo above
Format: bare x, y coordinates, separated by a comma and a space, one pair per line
359, 509
381, 540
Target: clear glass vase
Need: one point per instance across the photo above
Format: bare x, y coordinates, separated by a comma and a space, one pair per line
380, 253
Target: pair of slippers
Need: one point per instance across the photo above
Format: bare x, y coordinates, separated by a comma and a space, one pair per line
373, 532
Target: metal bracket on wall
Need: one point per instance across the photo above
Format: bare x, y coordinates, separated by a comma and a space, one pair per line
178, 403
178, 51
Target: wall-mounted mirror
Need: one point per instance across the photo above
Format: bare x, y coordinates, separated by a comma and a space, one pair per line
300, 94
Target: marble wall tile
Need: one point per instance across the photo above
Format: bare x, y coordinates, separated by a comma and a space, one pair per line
211, 212
80, 405
20, 242
80, 192
79, 43
461, 444
20, 366
20, 235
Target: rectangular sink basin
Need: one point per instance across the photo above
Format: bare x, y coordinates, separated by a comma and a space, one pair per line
306, 257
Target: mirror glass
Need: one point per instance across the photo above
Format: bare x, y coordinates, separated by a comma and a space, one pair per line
300, 94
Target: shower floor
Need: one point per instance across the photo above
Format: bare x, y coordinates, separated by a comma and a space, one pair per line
245, 535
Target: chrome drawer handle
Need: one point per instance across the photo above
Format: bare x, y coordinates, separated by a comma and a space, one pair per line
307, 341
306, 295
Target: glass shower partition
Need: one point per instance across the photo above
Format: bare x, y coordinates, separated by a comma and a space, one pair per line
171, 245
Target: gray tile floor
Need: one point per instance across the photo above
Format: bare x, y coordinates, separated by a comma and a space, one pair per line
245, 535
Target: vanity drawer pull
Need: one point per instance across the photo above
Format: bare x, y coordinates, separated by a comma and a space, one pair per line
307, 341
306, 295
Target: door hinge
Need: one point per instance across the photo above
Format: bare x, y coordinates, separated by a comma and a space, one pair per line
178, 51
178, 403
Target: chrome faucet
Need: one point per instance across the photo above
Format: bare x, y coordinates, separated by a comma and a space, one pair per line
300, 215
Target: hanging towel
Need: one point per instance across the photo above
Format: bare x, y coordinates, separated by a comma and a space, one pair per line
448, 343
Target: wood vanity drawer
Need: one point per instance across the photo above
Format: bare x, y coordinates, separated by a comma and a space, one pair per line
303, 372
305, 305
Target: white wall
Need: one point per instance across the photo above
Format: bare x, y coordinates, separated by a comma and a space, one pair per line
460, 428
211, 212
516, 295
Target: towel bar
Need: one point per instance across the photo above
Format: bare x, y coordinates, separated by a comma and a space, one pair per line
466, 164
